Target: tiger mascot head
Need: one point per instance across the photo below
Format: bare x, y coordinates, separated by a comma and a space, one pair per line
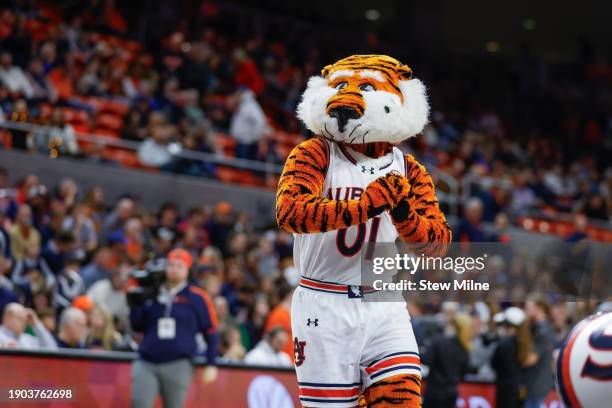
365, 99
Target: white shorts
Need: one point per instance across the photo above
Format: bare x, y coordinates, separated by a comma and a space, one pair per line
343, 345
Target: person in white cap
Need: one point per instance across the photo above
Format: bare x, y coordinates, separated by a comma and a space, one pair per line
509, 356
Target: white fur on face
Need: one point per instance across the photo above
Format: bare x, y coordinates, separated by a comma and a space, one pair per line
385, 119
341, 73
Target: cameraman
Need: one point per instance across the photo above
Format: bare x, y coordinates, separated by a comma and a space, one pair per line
170, 323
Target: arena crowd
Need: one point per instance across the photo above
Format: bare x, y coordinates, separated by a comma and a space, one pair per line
210, 83
66, 256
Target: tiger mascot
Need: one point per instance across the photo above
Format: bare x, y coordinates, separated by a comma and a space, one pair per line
346, 186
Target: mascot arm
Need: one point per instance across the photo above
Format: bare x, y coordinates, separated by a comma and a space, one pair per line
301, 207
418, 217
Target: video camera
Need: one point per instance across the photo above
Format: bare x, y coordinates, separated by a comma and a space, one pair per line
149, 280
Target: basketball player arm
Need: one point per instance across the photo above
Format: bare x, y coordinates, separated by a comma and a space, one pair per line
301, 207
418, 218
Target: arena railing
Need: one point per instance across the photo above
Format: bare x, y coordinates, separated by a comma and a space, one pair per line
448, 194
106, 141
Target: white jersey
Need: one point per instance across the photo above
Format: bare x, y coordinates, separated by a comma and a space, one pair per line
335, 256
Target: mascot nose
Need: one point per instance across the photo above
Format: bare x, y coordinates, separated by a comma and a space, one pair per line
342, 115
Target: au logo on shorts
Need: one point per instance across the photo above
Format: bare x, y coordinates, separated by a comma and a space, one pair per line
355, 292
298, 350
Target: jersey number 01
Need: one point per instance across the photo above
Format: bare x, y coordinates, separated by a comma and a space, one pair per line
349, 250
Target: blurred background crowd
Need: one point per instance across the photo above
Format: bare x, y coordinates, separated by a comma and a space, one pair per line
516, 134
223, 79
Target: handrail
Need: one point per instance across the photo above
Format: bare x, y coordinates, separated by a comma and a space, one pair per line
451, 197
254, 165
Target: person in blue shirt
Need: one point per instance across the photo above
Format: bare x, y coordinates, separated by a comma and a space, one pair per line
170, 323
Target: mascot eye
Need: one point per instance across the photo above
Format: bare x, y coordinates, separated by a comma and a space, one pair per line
367, 87
341, 86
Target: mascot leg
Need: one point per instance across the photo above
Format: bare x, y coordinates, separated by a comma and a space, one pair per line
403, 390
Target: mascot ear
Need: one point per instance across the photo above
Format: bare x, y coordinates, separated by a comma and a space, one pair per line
325, 71
404, 72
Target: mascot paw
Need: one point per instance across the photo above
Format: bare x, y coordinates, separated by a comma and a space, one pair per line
389, 190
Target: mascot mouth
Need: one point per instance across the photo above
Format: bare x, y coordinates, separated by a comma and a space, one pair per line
357, 134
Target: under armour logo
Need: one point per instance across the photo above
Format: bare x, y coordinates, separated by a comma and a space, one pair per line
365, 169
313, 321
298, 350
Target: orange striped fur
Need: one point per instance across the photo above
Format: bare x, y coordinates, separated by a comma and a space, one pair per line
418, 219
301, 207
397, 391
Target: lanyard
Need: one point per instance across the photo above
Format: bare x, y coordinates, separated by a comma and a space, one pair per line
169, 295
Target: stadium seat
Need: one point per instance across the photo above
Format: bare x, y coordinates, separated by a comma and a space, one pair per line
226, 143
115, 107
109, 121
106, 132
232, 175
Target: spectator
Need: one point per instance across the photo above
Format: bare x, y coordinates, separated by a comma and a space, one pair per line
538, 373
32, 272
280, 316
5, 270
100, 268
72, 329
508, 357
248, 123
470, 228
23, 235
267, 265
58, 138
110, 293
102, 334
247, 73
117, 218
82, 227
42, 88
15, 318
57, 250
221, 226
154, 151
269, 351
448, 361
231, 347
13, 78
69, 284
256, 319
6, 297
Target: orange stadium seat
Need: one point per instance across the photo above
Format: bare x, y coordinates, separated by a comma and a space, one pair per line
116, 107
125, 157
76, 116
106, 132
109, 121
227, 144
62, 83
232, 175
